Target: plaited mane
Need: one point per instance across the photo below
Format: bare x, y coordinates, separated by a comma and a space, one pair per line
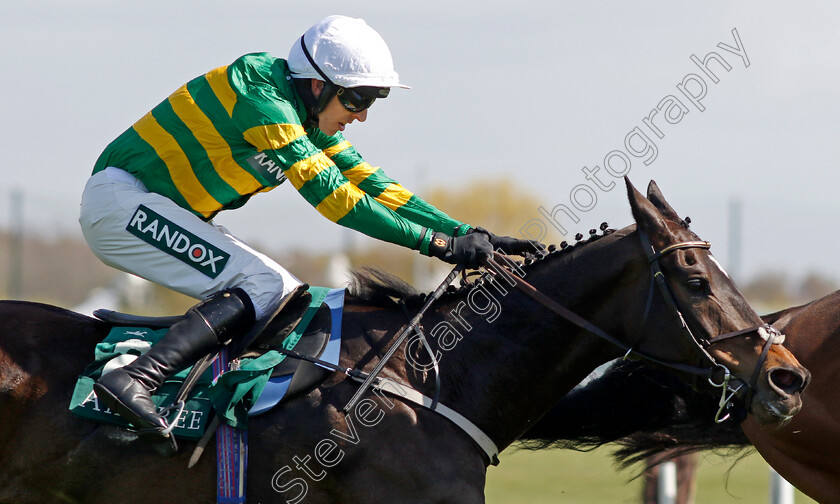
375, 286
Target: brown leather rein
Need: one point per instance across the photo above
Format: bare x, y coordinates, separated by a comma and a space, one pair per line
728, 392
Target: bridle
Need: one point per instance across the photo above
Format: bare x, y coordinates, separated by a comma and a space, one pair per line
768, 333
495, 267
727, 384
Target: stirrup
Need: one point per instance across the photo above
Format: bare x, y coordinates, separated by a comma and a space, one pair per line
164, 444
163, 440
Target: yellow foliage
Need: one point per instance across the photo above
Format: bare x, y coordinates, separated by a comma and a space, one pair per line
498, 205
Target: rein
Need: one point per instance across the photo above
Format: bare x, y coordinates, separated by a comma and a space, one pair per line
767, 332
579, 321
413, 326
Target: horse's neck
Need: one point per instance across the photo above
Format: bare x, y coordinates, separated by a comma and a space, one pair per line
519, 358
813, 330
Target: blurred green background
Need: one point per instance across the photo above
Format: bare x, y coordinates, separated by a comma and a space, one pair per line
62, 270
563, 476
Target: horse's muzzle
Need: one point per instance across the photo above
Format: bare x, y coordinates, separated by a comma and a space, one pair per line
784, 398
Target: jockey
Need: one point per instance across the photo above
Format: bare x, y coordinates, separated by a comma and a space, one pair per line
224, 136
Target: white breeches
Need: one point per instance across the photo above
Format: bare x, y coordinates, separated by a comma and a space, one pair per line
148, 235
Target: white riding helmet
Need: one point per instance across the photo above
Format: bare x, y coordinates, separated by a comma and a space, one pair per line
346, 51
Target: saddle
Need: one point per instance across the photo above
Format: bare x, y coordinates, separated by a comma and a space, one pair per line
301, 330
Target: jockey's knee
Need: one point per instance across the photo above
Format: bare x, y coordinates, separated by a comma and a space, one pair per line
266, 291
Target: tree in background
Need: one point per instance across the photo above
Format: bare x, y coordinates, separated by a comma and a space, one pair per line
63, 271
774, 290
498, 205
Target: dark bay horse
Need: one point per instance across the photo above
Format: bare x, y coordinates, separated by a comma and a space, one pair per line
505, 360
663, 417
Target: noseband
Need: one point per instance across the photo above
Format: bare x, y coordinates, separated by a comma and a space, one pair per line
768, 333
728, 392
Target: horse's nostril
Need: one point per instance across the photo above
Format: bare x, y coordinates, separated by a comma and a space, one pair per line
787, 380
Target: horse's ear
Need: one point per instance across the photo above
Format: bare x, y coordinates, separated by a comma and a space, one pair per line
655, 196
647, 216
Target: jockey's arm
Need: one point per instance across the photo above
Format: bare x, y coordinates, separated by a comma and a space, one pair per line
334, 179
385, 190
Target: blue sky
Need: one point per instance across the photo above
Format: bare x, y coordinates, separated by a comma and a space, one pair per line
533, 91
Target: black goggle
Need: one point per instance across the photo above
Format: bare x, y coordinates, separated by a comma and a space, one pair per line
354, 99
361, 98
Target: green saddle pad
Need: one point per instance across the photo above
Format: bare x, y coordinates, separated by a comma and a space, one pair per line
121, 346
231, 396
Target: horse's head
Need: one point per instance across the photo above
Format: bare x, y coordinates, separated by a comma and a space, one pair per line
720, 328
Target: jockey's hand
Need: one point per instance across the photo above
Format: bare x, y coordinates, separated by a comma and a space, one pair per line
469, 250
508, 244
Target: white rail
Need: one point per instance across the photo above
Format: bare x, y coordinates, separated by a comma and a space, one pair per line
781, 492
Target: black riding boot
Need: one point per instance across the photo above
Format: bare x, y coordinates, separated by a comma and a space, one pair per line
127, 390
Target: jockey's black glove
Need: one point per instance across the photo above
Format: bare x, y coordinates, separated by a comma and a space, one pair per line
508, 244
469, 250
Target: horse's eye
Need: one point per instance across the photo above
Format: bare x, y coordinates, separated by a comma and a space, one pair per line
696, 284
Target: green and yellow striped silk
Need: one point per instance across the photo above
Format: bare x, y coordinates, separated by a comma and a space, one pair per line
237, 130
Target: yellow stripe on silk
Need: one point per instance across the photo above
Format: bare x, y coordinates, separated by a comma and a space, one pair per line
340, 202
307, 169
216, 147
359, 173
273, 136
178, 165
221, 88
335, 149
394, 196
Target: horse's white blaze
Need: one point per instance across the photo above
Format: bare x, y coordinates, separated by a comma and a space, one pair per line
719, 266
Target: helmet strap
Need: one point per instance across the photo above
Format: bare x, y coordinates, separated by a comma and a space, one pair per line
314, 106
312, 61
